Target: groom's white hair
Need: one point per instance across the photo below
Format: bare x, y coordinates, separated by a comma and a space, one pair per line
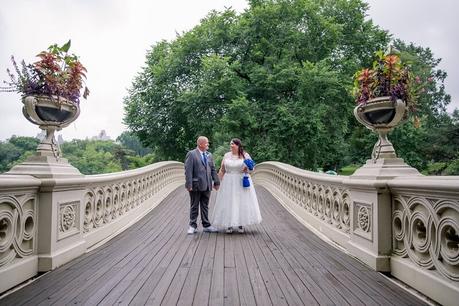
201, 139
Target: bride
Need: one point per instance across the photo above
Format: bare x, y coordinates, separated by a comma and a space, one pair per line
235, 205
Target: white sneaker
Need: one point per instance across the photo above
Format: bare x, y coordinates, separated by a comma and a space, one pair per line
192, 230
210, 229
240, 230
229, 230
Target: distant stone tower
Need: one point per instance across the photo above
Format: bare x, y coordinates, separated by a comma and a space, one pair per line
102, 136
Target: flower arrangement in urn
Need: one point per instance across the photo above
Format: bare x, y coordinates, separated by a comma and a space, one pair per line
57, 74
50, 90
389, 78
386, 96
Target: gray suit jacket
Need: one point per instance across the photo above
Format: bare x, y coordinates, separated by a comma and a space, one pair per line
198, 176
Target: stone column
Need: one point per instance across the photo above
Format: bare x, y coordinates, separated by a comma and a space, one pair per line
371, 210
60, 208
60, 232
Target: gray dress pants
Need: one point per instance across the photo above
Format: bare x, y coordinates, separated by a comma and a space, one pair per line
199, 201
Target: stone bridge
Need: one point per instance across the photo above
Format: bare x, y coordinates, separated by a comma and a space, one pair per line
378, 237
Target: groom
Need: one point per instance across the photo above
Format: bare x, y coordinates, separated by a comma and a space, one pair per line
199, 174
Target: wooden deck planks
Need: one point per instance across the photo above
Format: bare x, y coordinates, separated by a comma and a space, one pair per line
231, 293
246, 293
155, 262
218, 281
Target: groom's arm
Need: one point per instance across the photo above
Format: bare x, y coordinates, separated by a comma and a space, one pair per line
189, 171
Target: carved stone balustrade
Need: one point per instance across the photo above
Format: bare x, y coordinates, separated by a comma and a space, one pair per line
320, 201
18, 229
47, 222
405, 225
425, 239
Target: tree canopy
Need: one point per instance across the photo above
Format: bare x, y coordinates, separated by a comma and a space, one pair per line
88, 156
278, 76
15, 150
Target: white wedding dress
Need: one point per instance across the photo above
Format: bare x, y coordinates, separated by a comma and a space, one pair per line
235, 205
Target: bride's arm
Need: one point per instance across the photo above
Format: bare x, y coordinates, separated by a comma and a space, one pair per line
222, 170
245, 169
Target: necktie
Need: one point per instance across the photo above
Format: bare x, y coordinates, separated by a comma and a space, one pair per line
204, 159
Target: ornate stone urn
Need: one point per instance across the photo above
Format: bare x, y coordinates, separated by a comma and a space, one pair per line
381, 115
50, 114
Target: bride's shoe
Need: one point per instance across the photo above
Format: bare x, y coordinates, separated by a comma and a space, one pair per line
240, 230
229, 230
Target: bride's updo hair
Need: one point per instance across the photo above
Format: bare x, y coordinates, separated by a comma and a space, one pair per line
238, 142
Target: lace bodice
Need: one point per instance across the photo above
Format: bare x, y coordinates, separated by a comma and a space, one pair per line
233, 164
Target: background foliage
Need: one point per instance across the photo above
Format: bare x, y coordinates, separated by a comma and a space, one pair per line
89, 156
278, 76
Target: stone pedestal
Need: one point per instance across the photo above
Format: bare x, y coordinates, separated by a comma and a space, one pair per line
60, 209
371, 217
385, 168
60, 226
46, 167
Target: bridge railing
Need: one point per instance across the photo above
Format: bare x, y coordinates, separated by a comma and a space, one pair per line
18, 229
425, 239
408, 226
45, 223
320, 200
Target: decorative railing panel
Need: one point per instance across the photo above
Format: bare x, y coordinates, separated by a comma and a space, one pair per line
108, 198
75, 213
18, 218
408, 226
425, 223
18, 226
321, 199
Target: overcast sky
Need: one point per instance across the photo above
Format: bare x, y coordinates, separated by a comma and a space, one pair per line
112, 37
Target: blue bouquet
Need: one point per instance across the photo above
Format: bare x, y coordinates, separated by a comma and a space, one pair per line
245, 179
249, 163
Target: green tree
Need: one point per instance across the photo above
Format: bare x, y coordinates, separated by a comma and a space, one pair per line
141, 161
89, 156
131, 142
15, 150
93, 156
277, 76
24, 143
8, 153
